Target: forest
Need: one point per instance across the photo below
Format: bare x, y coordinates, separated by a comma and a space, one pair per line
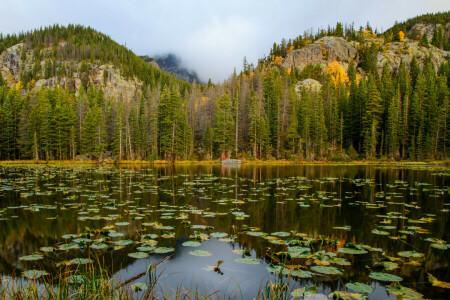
258, 113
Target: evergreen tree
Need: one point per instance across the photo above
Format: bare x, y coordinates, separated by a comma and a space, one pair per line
371, 120
224, 125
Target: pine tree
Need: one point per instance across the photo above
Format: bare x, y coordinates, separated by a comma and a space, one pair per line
224, 125
424, 41
292, 129
371, 120
94, 135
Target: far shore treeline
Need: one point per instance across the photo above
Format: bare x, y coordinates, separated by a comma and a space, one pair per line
359, 113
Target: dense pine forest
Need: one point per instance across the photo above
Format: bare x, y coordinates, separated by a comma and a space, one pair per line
262, 112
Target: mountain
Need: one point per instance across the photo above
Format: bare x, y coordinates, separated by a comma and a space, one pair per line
172, 64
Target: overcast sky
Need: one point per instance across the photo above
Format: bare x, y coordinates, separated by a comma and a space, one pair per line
211, 37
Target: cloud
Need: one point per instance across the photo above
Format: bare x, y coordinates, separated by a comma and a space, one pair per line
210, 37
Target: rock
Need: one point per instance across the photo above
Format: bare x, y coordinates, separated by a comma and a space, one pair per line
309, 84
323, 51
115, 85
419, 29
397, 52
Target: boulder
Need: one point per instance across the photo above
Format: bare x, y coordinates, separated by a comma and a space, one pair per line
323, 51
311, 85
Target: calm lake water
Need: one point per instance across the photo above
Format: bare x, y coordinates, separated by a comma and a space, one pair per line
387, 214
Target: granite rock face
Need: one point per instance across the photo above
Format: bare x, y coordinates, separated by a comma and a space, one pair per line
323, 51
113, 83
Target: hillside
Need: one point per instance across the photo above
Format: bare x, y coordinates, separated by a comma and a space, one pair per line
75, 56
340, 94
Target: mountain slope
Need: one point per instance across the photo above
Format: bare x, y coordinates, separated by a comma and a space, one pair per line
171, 64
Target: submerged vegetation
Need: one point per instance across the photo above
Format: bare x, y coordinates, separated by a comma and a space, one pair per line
277, 232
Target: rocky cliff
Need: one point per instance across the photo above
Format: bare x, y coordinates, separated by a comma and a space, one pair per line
329, 49
12, 65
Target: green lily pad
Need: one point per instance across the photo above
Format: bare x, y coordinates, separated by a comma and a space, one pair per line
384, 276
247, 260
326, 270
403, 292
413, 254
99, 246
200, 253
123, 242
31, 257
138, 255
298, 273
80, 261
34, 274
47, 249
380, 232
191, 244
122, 224
305, 292
273, 268
352, 251
219, 234
162, 250
145, 248
359, 287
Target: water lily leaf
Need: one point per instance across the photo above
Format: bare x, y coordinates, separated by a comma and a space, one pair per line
273, 268
139, 286
99, 246
339, 261
162, 250
145, 248
388, 265
68, 246
403, 292
123, 242
31, 257
359, 287
380, 232
304, 292
115, 234
435, 282
219, 234
69, 236
191, 244
298, 273
344, 295
413, 254
384, 276
47, 249
200, 253
281, 234
138, 255
256, 233
352, 251
326, 270
80, 261
247, 260
122, 224
34, 274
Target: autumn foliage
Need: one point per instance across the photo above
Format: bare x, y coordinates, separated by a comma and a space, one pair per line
337, 73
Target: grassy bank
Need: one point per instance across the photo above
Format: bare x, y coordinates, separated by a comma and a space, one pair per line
217, 162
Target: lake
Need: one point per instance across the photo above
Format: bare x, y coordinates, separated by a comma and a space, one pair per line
322, 226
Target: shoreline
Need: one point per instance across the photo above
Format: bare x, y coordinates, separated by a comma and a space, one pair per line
217, 162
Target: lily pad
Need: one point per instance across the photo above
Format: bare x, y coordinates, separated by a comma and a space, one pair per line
200, 253
34, 274
384, 276
191, 244
359, 287
138, 255
326, 270
352, 251
219, 234
162, 250
247, 260
31, 257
